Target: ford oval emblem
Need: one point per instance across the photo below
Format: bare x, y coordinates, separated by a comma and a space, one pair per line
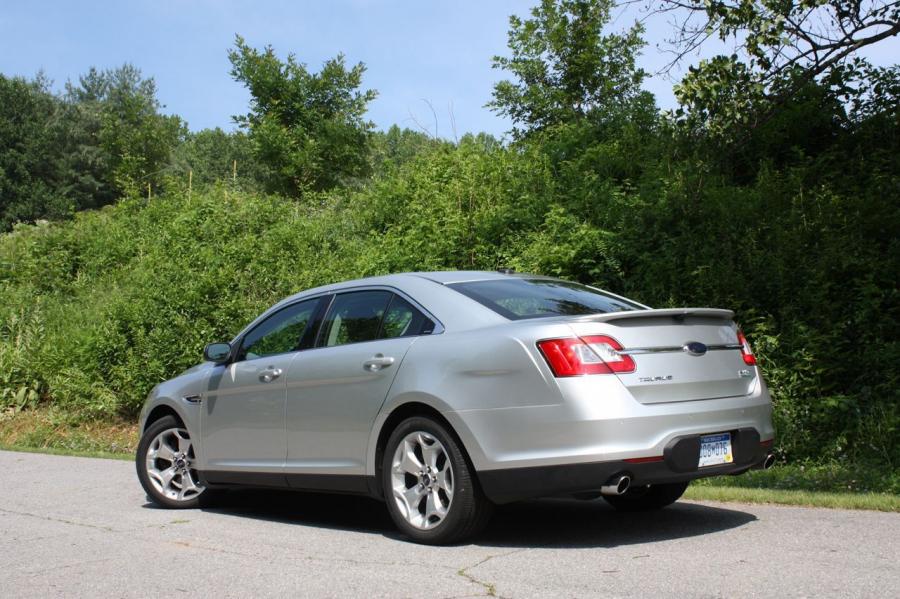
695, 348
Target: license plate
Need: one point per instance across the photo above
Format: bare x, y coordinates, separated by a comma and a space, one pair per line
715, 450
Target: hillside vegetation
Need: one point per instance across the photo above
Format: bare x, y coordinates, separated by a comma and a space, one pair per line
98, 310
793, 222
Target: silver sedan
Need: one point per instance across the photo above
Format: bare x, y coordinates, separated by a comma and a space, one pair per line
446, 393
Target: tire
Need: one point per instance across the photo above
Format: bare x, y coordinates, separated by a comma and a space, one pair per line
437, 506
169, 479
647, 498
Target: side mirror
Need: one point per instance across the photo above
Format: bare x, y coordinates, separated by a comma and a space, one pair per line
217, 352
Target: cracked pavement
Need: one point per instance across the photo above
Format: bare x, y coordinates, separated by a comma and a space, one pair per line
81, 526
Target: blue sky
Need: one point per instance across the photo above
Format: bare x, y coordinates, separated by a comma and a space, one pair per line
437, 51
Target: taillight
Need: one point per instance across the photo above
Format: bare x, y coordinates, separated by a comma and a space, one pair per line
576, 356
746, 352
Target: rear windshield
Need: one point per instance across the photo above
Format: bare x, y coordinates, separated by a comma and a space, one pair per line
535, 298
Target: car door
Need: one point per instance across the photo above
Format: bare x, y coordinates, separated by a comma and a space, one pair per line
242, 423
335, 391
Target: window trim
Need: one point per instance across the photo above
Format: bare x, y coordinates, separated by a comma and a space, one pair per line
327, 298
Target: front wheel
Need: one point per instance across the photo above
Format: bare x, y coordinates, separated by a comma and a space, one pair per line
647, 497
166, 465
430, 490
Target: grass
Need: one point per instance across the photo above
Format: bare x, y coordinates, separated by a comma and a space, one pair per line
830, 477
883, 502
51, 430
829, 485
68, 452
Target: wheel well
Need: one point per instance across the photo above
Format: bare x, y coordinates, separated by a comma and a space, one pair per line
400, 414
161, 412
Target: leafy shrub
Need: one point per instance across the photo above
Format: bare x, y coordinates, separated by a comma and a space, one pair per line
95, 312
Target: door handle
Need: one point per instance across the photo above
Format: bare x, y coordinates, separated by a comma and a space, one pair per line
377, 362
269, 375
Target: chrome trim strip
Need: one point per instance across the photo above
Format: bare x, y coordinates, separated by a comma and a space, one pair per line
636, 351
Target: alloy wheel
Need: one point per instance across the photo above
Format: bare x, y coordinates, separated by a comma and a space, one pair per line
422, 480
170, 465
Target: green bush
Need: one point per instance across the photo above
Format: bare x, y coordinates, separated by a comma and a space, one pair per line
96, 311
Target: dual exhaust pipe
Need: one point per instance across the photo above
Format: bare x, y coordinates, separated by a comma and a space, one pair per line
767, 463
618, 485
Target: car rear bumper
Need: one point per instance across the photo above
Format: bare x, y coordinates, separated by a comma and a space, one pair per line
677, 464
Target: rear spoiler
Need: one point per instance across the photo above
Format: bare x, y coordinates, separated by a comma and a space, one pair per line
676, 313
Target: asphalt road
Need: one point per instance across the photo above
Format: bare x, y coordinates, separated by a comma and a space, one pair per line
80, 526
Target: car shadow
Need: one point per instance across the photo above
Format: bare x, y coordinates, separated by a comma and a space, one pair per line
323, 510
572, 523
540, 523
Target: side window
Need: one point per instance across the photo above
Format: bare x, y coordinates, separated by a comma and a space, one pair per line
404, 320
354, 317
279, 333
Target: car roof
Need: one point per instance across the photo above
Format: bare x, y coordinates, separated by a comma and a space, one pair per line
460, 276
442, 277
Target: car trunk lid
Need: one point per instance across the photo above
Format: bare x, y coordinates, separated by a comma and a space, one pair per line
682, 354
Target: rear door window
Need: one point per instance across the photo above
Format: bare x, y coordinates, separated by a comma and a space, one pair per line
360, 316
354, 317
404, 320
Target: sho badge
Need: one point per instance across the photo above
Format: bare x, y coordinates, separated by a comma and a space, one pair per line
655, 379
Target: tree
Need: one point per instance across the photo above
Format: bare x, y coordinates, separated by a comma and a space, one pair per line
396, 146
30, 169
213, 154
813, 35
566, 69
308, 129
118, 114
59, 154
780, 47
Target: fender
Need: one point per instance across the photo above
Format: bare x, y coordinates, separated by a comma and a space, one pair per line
472, 447
186, 400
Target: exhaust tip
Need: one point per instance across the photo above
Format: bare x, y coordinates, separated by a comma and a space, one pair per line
617, 485
766, 463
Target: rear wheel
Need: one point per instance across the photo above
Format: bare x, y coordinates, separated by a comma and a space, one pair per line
431, 492
166, 465
647, 497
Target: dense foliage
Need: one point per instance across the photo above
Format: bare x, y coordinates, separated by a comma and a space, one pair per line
29, 171
104, 137
308, 129
567, 70
796, 228
120, 113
